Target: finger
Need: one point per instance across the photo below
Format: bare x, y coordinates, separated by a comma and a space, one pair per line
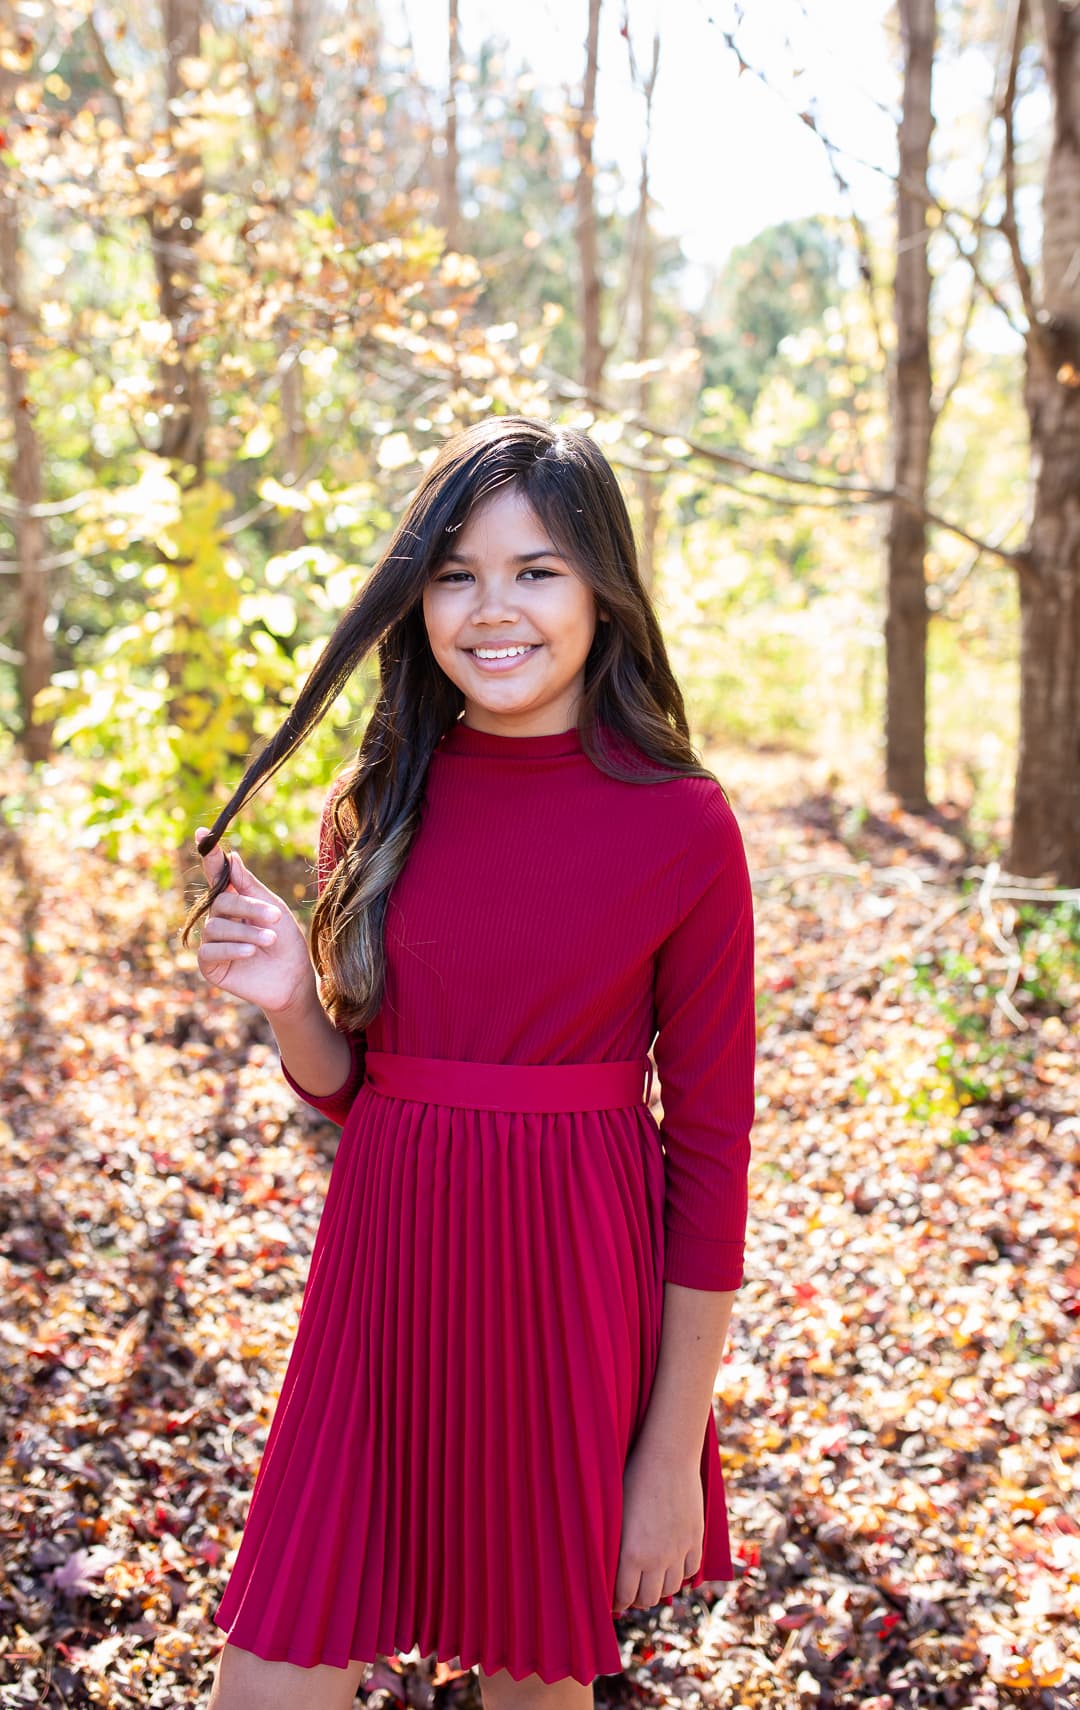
237, 907
217, 956
652, 1589
626, 1590
221, 930
212, 861
245, 882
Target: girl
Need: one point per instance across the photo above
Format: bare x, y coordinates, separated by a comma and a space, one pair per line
495, 1431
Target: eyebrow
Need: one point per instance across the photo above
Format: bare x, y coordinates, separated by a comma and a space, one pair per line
518, 558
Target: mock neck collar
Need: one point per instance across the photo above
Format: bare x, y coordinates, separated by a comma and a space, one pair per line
463, 739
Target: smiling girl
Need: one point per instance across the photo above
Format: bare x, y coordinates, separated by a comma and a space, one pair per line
495, 1432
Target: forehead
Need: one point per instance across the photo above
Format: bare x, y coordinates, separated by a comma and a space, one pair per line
503, 515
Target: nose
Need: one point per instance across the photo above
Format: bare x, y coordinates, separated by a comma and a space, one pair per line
493, 605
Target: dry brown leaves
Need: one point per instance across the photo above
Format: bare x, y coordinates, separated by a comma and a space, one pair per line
900, 1395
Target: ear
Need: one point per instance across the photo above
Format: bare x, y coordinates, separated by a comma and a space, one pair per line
605, 617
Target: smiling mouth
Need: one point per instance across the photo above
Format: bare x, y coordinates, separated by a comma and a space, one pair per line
493, 655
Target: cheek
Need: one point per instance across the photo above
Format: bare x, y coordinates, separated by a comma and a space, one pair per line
435, 629
584, 625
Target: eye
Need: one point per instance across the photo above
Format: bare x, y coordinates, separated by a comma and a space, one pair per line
531, 570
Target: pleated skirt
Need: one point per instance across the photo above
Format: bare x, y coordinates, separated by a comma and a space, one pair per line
473, 1360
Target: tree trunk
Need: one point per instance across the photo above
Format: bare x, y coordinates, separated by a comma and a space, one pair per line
907, 617
175, 228
643, 250
1046, 815
592, 352
648, 497
175, 225
35, 643
451, 197
295, 134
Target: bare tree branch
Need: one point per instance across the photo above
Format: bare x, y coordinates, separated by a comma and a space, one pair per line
1008, 218
105, 67
948, 216
765, 501
939, 594
809, 118
941, 402
858, 492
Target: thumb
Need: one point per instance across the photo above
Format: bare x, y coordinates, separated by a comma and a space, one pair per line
241, 879
213, 861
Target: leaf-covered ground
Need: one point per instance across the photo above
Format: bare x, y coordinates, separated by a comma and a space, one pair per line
900, 1395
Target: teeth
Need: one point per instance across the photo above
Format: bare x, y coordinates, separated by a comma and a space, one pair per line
498, 652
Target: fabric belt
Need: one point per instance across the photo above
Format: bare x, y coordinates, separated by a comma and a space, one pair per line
509, 1086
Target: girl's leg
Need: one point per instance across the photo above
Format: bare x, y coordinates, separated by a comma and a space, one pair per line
500, 1691
245, 1682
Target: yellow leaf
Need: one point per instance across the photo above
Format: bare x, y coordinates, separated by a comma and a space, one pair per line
194, 72
258, 442
395, 451
286, 498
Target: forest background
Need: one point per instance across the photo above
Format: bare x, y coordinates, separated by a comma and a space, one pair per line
256, 263
251, 286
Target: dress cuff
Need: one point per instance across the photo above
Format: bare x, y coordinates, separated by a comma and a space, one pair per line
696, 1263
335, 1105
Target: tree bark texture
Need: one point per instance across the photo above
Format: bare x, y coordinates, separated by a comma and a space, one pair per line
175, 226
592, 351
451, 193
906, 620
35, 643
1046, 812
296, 134
648, 496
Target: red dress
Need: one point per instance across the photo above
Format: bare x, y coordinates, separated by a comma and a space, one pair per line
481, 1319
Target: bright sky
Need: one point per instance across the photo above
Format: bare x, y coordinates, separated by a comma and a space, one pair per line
729, 156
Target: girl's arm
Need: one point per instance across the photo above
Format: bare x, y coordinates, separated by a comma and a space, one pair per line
705, 1052
329, 1056
692, 1340
325, 1055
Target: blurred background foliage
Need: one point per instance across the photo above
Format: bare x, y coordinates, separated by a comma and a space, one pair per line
245, 331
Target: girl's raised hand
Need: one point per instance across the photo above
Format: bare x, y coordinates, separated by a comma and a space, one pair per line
252, 946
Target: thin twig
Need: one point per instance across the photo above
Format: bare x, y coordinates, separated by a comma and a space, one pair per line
918, 882
1008, 947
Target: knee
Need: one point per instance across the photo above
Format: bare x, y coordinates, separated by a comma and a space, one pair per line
243, 1681
500, 1691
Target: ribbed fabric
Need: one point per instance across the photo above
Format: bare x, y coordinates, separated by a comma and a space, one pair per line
481, 1320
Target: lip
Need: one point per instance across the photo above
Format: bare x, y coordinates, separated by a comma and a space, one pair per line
492, 667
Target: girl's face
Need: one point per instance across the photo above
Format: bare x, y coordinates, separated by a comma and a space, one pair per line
501, 585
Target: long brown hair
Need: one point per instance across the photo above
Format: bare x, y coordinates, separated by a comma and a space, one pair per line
631, 708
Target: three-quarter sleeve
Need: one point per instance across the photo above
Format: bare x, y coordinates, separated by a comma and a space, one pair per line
705, 1055
335, 1105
